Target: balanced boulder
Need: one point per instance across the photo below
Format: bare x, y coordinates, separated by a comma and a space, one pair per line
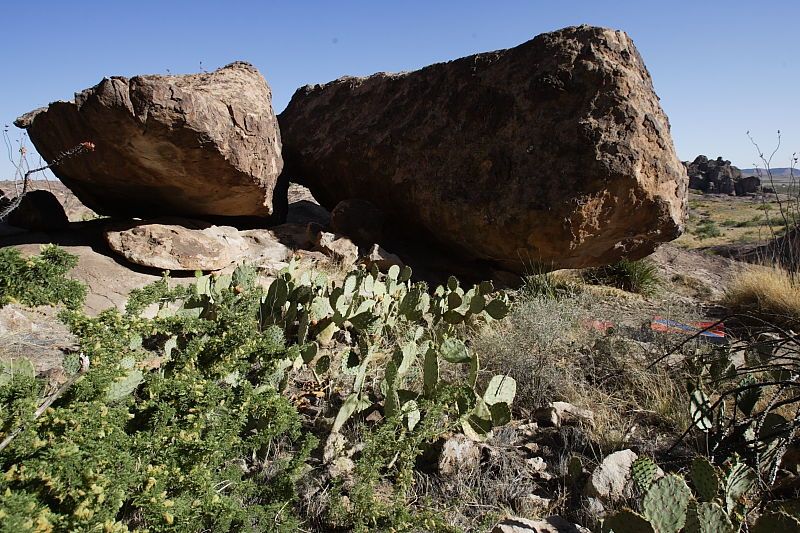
554, 153
197, 144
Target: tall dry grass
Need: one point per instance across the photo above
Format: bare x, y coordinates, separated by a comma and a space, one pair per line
768, 294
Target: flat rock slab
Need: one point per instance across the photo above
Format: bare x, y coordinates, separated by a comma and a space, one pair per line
188, 245
554, 153
196, 144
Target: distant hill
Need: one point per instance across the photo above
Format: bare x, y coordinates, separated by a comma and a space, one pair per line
777, 173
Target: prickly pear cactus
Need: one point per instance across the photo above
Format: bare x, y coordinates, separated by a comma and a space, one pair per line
643, 472
501, 389
626, 521
430, 372
741, 480
705, 479
707, 517
665, 504
124, 386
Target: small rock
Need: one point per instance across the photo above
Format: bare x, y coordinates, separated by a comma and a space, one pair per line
595, 507
335, 447
532, 447
528, 429
552, 524
558, 413
374, 417
568, 411
534, 505
39, 211
458, 453
381, 258
611, 481
547, 417
537, 464
359, 219
337, 247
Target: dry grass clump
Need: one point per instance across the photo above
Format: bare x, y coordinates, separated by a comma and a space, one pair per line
768, 294
548, 346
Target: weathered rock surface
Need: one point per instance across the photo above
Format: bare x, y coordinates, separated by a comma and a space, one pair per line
182, 244
197, 144
38, 210
554, 152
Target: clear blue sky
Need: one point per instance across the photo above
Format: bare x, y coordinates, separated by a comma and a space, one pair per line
720, 67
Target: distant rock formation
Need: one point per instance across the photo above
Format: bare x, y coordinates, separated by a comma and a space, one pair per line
718, 176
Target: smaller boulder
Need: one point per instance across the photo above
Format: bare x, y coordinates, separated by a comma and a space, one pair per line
186, 245
176, 244
611, 481
337, 247
38, 210
358, 219
382, 259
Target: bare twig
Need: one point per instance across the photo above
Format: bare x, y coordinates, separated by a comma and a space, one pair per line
76, 150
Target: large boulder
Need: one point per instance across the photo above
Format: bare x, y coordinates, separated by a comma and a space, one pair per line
197, 144
555, 152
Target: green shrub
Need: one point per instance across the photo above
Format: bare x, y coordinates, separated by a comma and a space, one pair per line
180, 422
633, 276
184, 446
39, 280
707, 229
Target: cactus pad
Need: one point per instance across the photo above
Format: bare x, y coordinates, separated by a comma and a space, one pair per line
707, 517
665, 504
627, 521
705, 479
643, 472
